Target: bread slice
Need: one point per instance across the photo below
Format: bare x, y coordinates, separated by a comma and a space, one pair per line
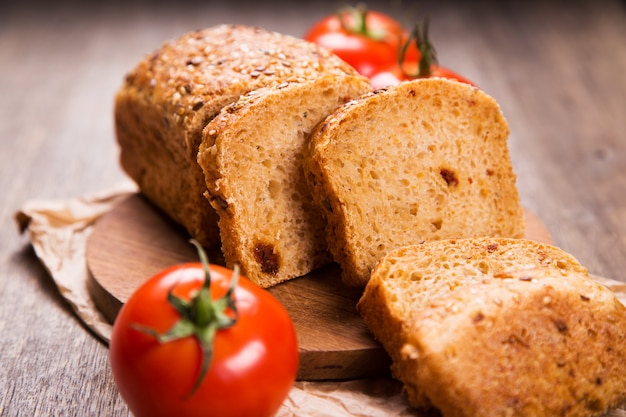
170, 96
251, 156
410, 278
424, 160
484, 327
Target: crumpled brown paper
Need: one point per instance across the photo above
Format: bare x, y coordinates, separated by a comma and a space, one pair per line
58, 231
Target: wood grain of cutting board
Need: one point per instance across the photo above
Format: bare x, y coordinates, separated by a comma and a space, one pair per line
135, 240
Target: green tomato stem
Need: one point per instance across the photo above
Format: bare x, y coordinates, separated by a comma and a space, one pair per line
359, 25
200, 317
428, 54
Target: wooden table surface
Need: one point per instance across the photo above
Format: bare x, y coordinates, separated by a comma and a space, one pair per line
556, 68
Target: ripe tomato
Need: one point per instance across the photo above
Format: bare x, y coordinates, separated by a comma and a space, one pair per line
365, 39
394, 74
417, 59
244, 341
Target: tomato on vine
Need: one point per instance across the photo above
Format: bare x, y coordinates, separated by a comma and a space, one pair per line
197, 339
422, 63
365, 39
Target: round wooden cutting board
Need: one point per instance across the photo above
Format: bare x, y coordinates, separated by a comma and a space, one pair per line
134, 241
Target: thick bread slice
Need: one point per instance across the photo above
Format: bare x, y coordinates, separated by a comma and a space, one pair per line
484, 327
410, 278
251, 156
170, 96
424, 160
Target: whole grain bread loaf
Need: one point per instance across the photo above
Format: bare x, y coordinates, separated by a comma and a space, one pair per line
485, 327
251, 156
171, 95
424, 160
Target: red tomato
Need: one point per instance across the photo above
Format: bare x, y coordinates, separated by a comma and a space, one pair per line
394, 75
254, 356
365, 39
417, 59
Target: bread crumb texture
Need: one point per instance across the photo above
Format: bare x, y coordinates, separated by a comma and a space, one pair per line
498, 327
252, 156
424, 160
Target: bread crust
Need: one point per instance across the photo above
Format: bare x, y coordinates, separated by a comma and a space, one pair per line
170, 96
424, 160
484, 327
251, 156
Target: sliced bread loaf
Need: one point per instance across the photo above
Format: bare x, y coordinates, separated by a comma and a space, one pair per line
483, 327
251, 156
424, 160
170, 96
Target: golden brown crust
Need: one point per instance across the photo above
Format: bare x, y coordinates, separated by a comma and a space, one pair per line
481, 327
251, 156
171, 94
424, 160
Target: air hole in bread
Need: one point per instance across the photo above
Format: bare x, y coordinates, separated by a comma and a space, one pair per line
437, 223
483, 267
416, 276
330, 92
428, 127
302, 263
296, 196
338, 163
274, 189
